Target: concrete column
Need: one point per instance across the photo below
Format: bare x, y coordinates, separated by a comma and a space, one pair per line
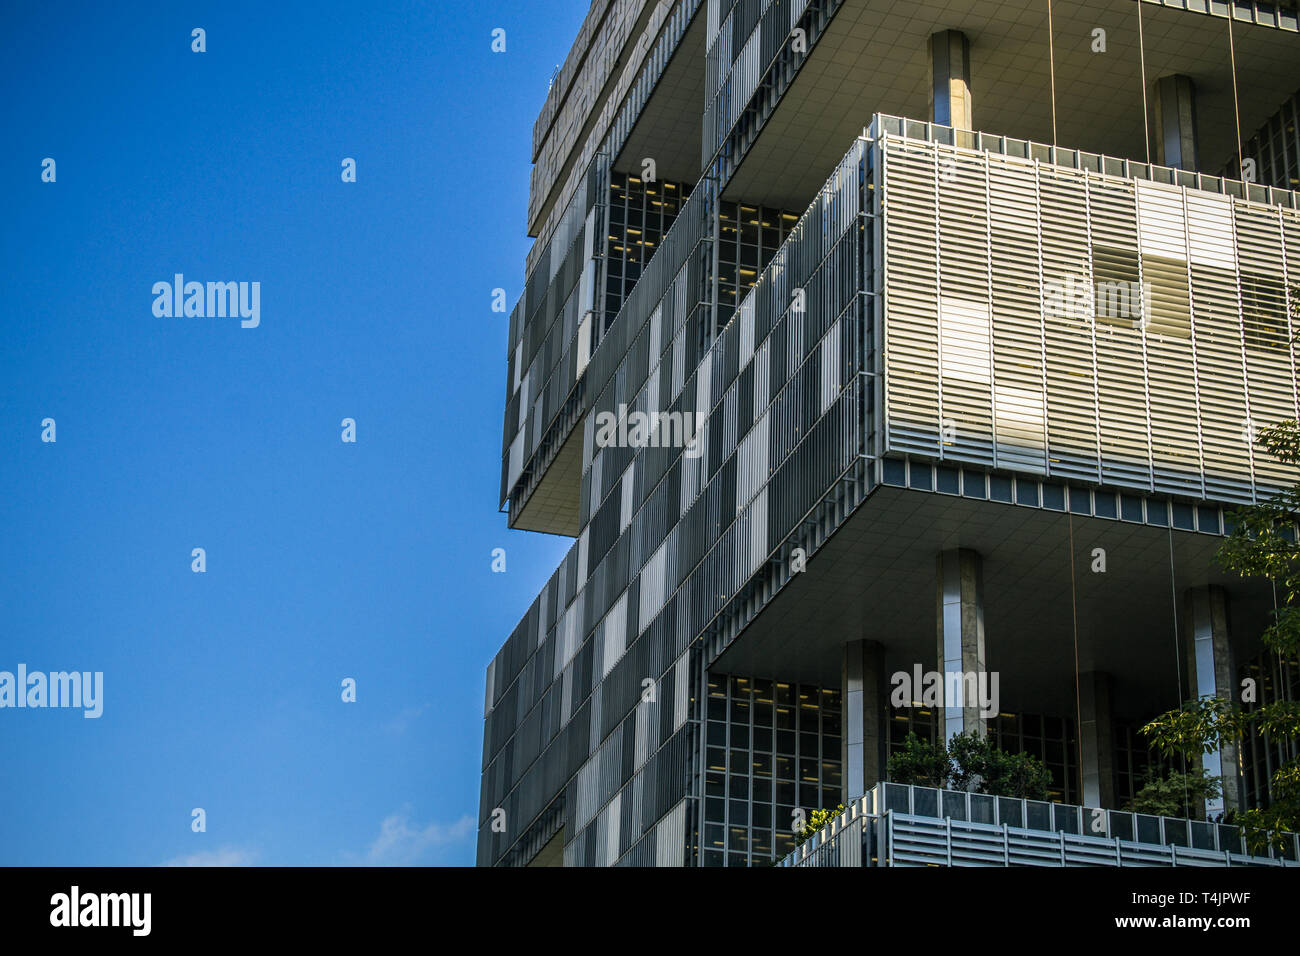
961, 638
1210, 674
1176, 122
1097, 740
950, 98
863, 737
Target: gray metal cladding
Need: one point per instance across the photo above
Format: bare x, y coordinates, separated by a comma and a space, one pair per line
669, 538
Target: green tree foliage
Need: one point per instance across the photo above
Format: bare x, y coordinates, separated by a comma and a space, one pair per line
816, 820
1174, 794
969, 762
920, 763
1258, 547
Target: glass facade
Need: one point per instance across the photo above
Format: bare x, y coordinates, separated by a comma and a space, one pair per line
1275, 149
748, 238
639, 215
1276, 679
772, 748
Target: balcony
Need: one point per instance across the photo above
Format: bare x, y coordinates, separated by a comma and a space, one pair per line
900, 825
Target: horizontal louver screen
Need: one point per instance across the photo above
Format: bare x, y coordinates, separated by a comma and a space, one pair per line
1082, 325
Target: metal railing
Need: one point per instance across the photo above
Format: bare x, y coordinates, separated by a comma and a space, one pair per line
902, 825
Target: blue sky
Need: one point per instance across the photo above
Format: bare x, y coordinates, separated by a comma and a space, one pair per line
325, 560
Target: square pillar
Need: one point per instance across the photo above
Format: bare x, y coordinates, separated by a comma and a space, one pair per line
961, 639
1096, 739
950, 96
863, 735
1210, 673
1176, 122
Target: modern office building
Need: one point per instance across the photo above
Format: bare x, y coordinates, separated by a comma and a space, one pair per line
866, 341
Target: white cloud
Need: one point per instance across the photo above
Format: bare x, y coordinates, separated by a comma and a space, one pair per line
401, 844
226, 856
404, 719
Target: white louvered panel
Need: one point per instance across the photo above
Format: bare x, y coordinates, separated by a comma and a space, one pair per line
691, 469
762, 375
625, 499
966, 364
1162, 229
758, 546
772, 287
1163, 301
681, 690
611, 820
1210, 230
585, 785
1175, 434
964, 340
965, 330
583, 540
746, 331
1016, 320
963, 224
1160, 220
1265, 329
656, 580
611, 762
566, 697
670, 838
752, 465
594, 482
1067, 325
1121, 386
733, 543
679, 362
588, 439
730, 412
656, 335
704, 383
638, 789
516, 459
843, 197
912, 296
681, 283
1222, 384
1019, 414
794, 343
1291, 263
614, 630
744, 77
568, 639
647, 729
830, 367
1164, 296
491, 686
651, 391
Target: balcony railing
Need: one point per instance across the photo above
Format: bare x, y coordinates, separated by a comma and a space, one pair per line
901, 825
1082, 160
